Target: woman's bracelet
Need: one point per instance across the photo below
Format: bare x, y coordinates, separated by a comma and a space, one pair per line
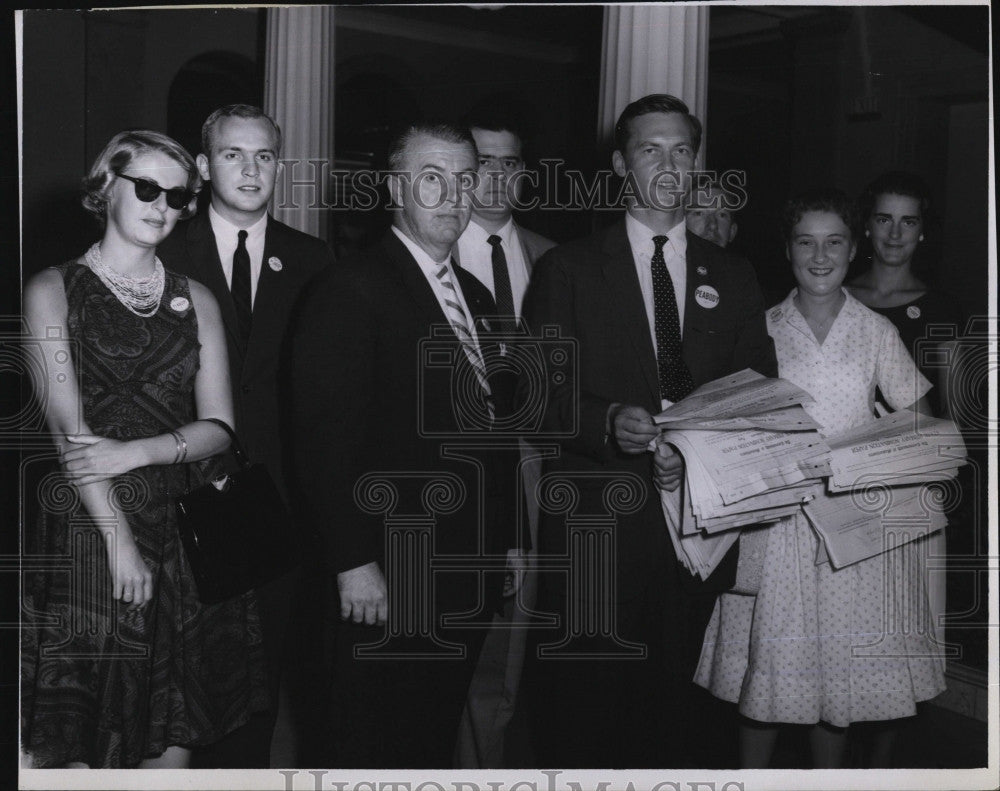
182, 447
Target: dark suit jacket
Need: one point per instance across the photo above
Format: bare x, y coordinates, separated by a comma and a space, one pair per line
589, 289
254, 367
368, 397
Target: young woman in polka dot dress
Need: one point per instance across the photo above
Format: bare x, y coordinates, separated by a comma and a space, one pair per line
819, 646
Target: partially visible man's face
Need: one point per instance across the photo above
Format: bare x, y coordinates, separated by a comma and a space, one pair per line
708, 217
499, 162
659, 154
242, 166
434, 193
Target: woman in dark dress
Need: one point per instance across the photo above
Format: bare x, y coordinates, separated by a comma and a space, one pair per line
121, 665
894, 209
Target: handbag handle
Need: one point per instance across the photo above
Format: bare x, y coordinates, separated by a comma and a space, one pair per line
237, 447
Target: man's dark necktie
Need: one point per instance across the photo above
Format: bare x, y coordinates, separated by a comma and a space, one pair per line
675, 378
503, 294
241, 286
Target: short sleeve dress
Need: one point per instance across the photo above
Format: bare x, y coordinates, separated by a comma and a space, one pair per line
818, 644
102, 684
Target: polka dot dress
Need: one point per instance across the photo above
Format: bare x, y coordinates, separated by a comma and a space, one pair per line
841, 646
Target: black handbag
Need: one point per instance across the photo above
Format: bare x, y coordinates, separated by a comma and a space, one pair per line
236, 531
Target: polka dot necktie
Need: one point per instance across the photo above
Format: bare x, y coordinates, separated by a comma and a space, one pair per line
675, 378
459, 323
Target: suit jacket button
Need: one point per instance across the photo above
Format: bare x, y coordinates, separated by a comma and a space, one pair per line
247, 388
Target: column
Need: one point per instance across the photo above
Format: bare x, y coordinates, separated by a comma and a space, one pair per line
653, 49
298, 94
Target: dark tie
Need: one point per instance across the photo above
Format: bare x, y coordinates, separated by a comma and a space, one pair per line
241, 286
675, 378
501, 284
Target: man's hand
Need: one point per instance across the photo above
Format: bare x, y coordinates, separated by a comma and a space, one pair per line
632, 427
668, 467
363, 594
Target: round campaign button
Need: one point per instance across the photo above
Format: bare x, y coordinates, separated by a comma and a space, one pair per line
179, 304
275, 263
913, 312
706, 296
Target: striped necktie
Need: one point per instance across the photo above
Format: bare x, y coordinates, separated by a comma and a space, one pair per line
460, 324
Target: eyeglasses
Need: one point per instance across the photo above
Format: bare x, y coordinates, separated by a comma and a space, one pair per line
148, 191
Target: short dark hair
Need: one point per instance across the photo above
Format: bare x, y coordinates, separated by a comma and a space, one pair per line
236, 111
895, 182
119, 153
825, 199
449, 133
655, 103
494, 119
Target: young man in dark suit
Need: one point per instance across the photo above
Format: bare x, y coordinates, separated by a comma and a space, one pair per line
501, 254
397, 466
257, 269
655, 311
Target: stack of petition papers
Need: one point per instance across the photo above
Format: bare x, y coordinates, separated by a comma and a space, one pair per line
752, 455
877, 496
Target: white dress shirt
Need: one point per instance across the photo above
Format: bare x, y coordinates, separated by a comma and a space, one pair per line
476, 256
640, 238
226, 241
430, 268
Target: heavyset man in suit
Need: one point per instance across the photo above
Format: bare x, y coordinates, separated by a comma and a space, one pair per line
257, 268
655, 312
376, 396
501, 253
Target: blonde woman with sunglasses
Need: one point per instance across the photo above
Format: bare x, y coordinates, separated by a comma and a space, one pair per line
121, 664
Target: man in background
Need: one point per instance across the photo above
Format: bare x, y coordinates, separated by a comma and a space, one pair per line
501, 253
709, 214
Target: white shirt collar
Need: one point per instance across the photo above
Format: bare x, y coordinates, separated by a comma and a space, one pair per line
479, 234
428, 264
221, 227
640, 236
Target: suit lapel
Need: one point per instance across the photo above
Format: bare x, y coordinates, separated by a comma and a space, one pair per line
205, 253
412, 277
526, 253
625, 294
694, 260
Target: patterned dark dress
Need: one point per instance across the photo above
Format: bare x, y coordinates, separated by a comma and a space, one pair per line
101, 683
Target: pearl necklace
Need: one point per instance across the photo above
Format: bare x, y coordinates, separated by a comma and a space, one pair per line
140, 295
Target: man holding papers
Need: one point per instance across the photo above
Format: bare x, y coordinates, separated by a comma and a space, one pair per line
655, 312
